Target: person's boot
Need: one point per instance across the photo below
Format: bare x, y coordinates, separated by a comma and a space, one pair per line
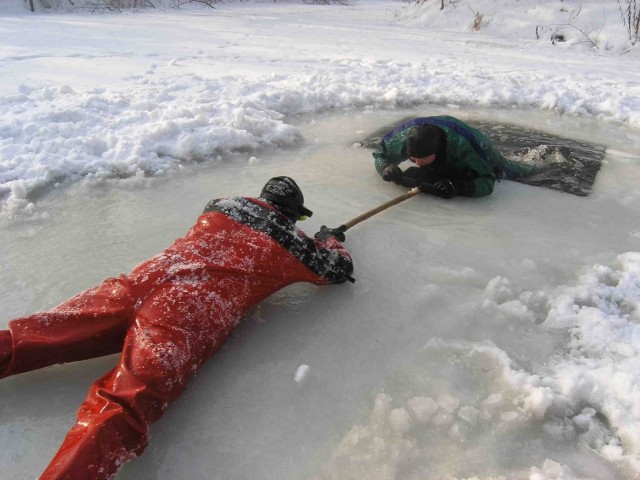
6, 349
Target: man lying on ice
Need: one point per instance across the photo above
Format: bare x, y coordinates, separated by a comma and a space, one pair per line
167, 317
451, 157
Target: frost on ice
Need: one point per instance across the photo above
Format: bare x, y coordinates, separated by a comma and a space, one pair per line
586, 395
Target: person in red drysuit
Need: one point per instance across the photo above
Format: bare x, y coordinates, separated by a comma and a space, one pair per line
168, 316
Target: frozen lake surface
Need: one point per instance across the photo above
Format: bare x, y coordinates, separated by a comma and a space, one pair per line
492, 338
488, 338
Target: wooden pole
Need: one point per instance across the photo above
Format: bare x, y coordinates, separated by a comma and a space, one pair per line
380, 208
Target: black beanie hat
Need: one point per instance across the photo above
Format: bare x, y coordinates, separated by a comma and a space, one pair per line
423, 140
285, 194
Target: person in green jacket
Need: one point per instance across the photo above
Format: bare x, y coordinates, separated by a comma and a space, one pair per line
451, 157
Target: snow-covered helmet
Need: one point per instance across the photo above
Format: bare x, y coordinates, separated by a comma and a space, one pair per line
286, 196
423, 140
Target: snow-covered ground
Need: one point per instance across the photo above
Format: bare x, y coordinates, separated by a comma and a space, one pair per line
489, 338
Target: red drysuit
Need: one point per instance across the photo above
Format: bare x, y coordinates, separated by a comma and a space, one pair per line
168, 316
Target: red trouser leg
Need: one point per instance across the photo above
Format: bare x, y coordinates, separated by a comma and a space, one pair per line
177, 328
6, 347
91, 324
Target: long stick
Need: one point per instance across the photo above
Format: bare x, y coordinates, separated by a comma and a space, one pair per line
380, 208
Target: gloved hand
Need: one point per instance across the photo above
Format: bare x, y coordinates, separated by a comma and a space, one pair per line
326, 232
342, 269
392, 173
442, 188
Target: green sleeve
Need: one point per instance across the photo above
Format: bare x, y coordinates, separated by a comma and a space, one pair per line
391, 151
483, 186
381, 158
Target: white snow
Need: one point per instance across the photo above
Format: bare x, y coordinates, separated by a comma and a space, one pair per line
301, 373
484, 338
115, 106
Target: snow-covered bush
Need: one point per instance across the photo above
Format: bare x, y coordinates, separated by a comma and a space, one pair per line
630, 14
120, 5
113, 5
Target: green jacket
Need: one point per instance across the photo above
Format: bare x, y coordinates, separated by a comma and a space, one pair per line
469, 160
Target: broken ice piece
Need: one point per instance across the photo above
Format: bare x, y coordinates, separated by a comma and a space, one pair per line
302, 372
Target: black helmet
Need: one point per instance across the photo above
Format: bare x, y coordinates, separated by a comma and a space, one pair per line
423, 140
285, 194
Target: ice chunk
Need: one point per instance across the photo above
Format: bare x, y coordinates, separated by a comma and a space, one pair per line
509, 416
469, 414
499, 290
400, 420
422, 408
442, 419
492, 401
538, 401
447, 402
301, 373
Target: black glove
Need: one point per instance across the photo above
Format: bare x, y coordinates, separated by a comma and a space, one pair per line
326, 232
342, 269
392, 173
442, 188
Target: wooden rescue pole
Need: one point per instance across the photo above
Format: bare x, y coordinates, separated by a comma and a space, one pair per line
360, 218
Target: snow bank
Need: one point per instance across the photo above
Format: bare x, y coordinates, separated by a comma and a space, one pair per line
587, 394
52, 135
601, 373
591, 24
215, 91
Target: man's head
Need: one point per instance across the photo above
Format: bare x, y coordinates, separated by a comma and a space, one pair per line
423, 141
286, 196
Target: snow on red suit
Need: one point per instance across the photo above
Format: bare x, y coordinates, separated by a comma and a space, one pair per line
168, 316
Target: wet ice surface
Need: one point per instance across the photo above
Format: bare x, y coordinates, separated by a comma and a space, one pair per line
452, 354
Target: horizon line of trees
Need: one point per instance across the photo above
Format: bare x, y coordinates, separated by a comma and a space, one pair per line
629, 10
120, 5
